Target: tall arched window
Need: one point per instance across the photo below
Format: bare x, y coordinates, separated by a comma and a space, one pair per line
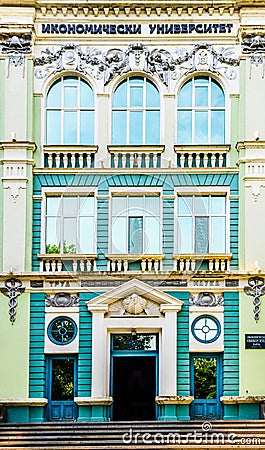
136, 113
70, 112
201, 112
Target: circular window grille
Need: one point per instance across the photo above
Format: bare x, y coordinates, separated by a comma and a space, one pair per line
62, 330
206, 329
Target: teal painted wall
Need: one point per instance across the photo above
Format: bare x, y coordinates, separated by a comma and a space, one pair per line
167, 182
231, 344
37, 370
183, 357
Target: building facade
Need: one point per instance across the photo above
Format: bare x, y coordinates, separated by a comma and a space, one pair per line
132, 194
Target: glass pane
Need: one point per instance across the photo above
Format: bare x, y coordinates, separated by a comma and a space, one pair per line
136, 206
201, 80
52, 206
184, 127
152, 237
119, 235
217, 127
152, 206
152, 95
136, 95
136, 128
152, 131
217, 95
205, 369
185, 95
218, 235
86, 206
201, 234
119, 206
185, 205
62, 379
54, 95
53, 234
119, 127
70, 96
70, 127
86, 95
201, 96
120, 96
134, 342
201, 127
87, 127
69, 235
135, 235
185, 235
201, 205
86, 235
70, 81
70, 206
53, 127
218, 205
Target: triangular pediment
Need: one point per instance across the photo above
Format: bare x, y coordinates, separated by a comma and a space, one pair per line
134, 298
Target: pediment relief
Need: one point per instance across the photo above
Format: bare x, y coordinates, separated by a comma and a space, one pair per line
134, 305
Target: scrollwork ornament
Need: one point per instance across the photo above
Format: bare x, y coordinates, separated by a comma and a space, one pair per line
256, 289
13, 288
16, 47
61, 300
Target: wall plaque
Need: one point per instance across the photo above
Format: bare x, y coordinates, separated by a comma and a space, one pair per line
255, 341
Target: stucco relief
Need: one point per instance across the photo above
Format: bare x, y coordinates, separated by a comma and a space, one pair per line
134, 305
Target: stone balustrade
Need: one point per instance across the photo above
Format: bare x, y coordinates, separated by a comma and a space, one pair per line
143, 263
197, 156
212, 262
131, 156
69, 157
67, 262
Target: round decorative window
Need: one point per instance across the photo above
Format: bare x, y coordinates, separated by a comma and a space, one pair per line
62, 330
206, 329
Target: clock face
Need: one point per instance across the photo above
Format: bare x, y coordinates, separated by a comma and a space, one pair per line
206, 329
62, 330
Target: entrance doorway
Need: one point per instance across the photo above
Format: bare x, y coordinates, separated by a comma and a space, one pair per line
61, 387
206, 387
134, 376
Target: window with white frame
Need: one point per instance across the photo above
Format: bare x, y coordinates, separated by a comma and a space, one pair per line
70, 224
70, 112
136, 224
202, 224
136, 113
201, 112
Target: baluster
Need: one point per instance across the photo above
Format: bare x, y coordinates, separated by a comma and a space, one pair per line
119, 265
193, 265
89, 265
143, 265
155, 159
50, 160
175, 264
57, 160
59, 265
123, 160
197, 159
147, 160
138, 160
156, 265
113, 266
211, 263
222, 264
41, 265
65, 160
221, 159
88, 160
82, 265
72, 158
190, 160
213, 159
131, 160
75, 265
205, 159
125, 265
182, 160
181, 264
149, 264
53, 265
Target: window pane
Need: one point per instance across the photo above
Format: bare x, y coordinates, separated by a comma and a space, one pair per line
201, 205
52, 206
152, 95
185, 205
86, 95
136, 128
152, 236
152, 205
136, 95
136, 206
135, 235
86, 206
119, 127
119, 206
152, 132
201, 127
201, 96
218, 205
86, 127
217, 95
218, 235
70, 127
119, 235
54, 95
201, 234
217, 127
53, 127
201, 80
120, 96
185, 95
184, 127
53, 234
86, 235
70, 96
70, 206
185, 234
69, 235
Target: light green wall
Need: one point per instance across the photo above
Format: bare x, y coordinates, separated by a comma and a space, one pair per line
14, 349
30, 74
252, 362
36, 132
2, 97
242, 133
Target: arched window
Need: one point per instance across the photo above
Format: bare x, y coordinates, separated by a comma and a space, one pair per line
70, 112
136, 113
201, 112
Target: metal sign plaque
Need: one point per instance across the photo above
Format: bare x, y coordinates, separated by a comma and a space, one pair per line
255, 341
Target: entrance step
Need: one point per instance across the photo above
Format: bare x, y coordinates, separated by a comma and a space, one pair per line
133, 435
